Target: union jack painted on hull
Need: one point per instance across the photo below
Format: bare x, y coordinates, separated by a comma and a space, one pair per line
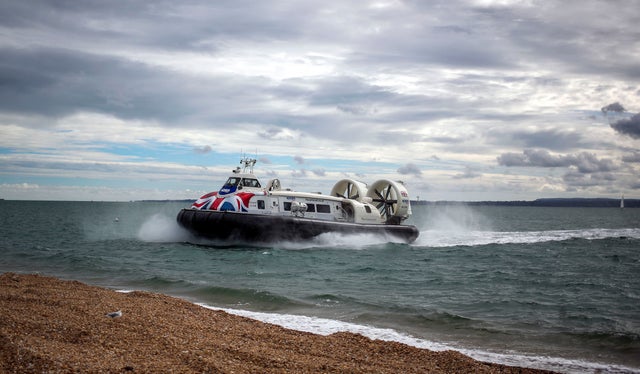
238, 202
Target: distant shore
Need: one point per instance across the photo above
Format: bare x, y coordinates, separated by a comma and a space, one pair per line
547, 202
55, 325
576, 202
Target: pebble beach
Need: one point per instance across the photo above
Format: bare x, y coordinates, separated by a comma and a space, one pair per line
54, 325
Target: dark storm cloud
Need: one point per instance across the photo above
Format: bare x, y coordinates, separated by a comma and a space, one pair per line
628, 126
584, 162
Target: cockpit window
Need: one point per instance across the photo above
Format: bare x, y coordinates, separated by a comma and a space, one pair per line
232, 182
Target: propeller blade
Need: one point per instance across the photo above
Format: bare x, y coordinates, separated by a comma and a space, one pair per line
379, 194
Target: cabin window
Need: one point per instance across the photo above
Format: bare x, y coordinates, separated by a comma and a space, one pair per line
249, 182
311, 207
367, 208
323, 208
287, 206
260, 204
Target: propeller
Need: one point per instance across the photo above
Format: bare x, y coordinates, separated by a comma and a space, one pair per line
386, 201
347, 189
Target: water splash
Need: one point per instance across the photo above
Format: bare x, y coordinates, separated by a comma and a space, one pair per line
341, 240
160, 228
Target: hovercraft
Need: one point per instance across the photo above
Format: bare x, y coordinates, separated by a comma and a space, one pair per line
244, 210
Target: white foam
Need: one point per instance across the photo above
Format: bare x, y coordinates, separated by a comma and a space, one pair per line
449, 238
340, 240
323, 326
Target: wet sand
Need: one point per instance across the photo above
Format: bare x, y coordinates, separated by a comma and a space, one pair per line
52, 325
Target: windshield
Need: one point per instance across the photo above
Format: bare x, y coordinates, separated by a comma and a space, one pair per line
232, 182
247, 182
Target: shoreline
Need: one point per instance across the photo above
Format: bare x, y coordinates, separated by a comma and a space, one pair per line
58, 325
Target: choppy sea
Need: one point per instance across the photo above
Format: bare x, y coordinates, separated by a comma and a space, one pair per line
552, 288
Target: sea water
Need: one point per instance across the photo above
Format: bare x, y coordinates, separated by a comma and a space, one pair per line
553, 288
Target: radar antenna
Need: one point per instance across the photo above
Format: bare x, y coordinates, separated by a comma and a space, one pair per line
247, 163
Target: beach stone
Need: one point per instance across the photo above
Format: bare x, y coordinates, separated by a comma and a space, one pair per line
53, 325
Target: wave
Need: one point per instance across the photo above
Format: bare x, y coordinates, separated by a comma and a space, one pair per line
451, 238
324, 326
244, 297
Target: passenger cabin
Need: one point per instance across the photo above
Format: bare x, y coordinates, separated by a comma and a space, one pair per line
314, 206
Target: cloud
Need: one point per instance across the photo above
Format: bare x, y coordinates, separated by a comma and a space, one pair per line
548, 138
633, 157
298, 159
203, 150
468, 173
299, 173
615, 107
319, 172
584, 162
368, 84
579, 180
410, 168
628, 126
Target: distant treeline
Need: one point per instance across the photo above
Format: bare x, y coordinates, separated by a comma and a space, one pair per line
554, 202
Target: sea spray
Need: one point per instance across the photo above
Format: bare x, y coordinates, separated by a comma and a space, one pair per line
450, 225
452, 218
340, 240
162, 229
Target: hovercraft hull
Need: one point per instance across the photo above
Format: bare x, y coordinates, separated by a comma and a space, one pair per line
244, 227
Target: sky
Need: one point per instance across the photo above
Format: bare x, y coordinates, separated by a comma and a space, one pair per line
463, 100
